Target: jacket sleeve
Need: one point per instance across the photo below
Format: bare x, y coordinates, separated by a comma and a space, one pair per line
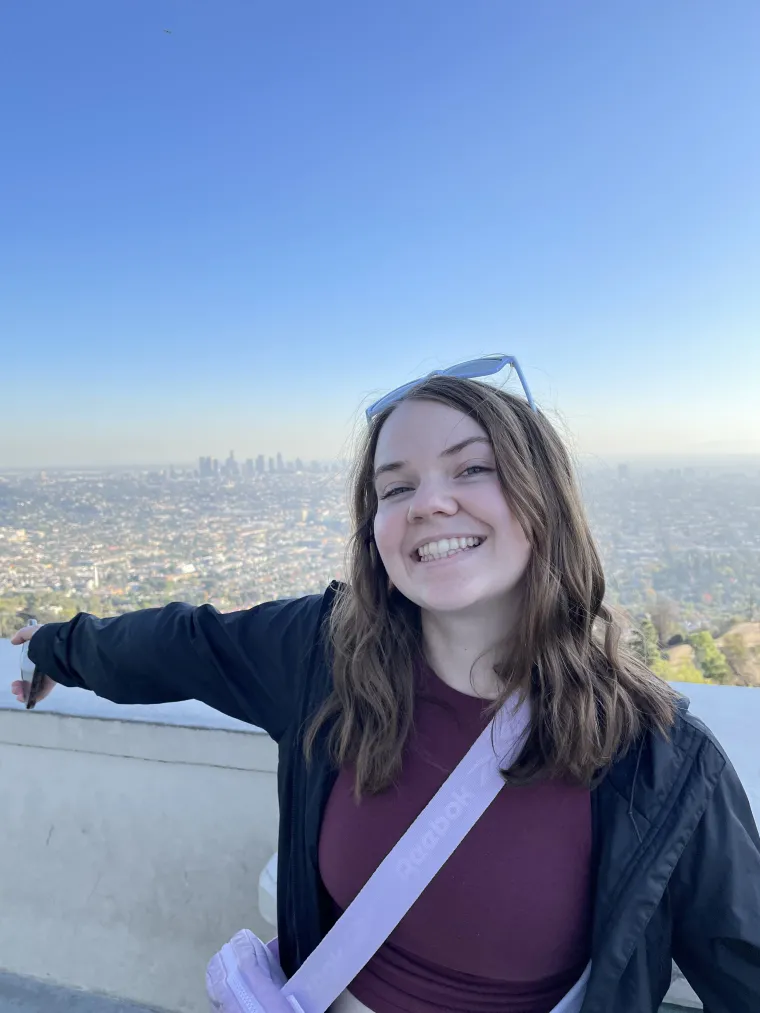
715, 893
247, 664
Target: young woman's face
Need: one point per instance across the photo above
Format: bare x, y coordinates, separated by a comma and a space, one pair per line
443, 527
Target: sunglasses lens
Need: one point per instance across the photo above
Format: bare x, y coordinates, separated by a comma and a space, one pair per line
477, 367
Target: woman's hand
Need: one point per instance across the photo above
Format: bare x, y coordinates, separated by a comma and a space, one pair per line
20, 688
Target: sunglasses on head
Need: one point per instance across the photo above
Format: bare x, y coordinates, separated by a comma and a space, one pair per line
487, 365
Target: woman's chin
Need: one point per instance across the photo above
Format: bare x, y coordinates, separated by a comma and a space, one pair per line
450, 596
445, 599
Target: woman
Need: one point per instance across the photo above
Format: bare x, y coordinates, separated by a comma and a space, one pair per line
623, 834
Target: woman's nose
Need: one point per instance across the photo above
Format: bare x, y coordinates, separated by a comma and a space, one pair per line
431, 498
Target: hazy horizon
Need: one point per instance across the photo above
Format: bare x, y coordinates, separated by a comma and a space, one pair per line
280, 217
646, 461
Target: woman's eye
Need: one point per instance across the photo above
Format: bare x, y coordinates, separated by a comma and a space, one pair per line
475, 469
392, 492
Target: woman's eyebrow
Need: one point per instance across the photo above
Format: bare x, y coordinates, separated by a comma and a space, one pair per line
393, 466
448, 452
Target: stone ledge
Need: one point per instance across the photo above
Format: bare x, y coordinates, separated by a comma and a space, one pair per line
29, 995
209, 747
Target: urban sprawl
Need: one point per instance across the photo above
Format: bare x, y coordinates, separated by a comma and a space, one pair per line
236, 534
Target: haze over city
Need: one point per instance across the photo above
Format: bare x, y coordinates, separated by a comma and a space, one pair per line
230, 227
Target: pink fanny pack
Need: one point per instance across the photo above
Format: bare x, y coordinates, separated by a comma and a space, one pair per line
246, 977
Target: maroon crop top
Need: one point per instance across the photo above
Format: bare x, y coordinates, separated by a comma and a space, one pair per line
504, 927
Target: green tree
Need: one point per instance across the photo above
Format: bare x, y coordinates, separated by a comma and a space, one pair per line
662, 668
664, 618
709, 658
646, 644
687, 671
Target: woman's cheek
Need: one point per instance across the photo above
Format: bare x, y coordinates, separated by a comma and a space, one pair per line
387, 539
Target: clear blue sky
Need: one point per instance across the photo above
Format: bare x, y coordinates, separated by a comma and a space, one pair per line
230, 234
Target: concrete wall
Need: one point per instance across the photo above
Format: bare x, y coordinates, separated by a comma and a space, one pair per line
130, 852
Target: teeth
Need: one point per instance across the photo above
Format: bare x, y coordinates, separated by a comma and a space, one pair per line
446, 547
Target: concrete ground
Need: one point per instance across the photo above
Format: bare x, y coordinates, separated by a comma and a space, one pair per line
27, 995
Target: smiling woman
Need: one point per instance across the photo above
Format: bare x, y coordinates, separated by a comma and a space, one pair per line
473, 576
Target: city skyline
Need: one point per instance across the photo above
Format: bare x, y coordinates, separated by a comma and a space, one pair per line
665, 460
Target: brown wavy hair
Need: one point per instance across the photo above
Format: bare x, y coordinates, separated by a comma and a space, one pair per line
592, 697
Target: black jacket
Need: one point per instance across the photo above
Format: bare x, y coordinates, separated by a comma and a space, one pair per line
677, 852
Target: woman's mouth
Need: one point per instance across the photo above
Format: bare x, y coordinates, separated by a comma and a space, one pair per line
443, 548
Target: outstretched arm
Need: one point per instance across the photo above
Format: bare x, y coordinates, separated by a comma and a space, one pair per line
246, 664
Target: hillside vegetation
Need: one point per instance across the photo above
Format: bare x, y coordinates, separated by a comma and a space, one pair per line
730, 659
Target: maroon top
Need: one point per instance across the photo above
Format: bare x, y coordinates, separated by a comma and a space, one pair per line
504, 927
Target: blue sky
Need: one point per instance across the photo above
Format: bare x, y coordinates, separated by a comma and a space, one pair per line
233, 233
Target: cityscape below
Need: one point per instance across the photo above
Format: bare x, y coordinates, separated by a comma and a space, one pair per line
680, 545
